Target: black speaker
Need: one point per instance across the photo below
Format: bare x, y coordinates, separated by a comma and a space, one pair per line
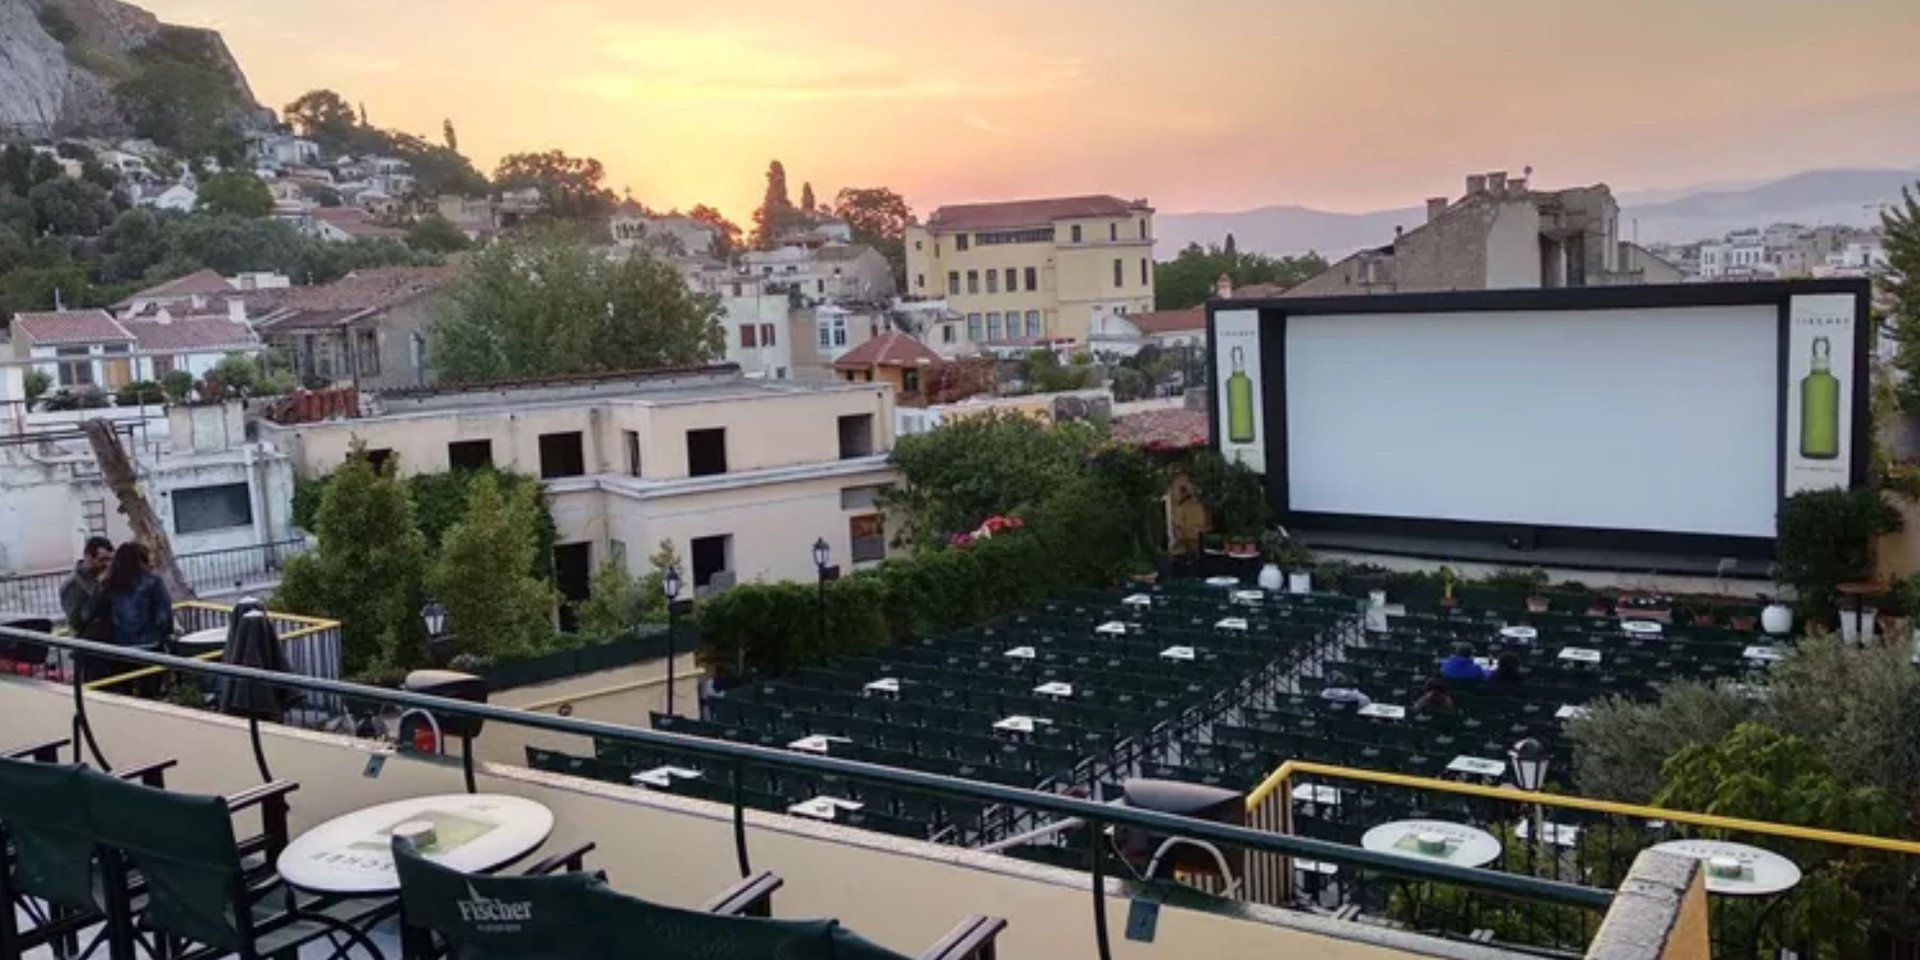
453, 685
1194, 800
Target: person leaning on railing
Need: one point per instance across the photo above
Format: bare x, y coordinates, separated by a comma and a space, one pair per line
131, 609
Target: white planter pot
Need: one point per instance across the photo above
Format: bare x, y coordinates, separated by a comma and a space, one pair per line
1376, 598
1777, 619
1856, 627
1271, 578
1299, 583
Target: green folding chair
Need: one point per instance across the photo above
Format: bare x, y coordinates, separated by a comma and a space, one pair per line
46, 858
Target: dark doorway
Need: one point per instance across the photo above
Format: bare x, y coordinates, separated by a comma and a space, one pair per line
706, 452
572, 576
470, 454
856, 436
710, 557
561, 455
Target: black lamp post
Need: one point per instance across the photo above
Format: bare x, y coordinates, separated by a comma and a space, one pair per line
434, 617
1529, 759
670, 586
821, 554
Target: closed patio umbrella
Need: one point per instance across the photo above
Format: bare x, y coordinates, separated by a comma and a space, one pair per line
252, 642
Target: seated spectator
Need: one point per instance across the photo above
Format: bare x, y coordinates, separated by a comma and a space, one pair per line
1461, 665
1340, 689
1506, 670
1434, 699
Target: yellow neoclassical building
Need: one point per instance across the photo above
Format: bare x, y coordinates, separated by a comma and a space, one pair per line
1026, 270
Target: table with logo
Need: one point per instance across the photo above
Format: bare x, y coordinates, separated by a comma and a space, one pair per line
352, 854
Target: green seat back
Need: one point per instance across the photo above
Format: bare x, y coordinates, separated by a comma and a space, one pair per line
484, 917
637, 928
43, 810
183, 846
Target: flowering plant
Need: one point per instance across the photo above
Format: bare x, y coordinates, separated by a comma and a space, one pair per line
986, 531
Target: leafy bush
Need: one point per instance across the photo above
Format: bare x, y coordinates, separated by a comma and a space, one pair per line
37, 383
139, 392
178, 385
1826, 538
75, 398
440, 500
1232, 493
1620, 745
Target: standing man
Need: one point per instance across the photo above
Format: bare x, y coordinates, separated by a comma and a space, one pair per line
77, 593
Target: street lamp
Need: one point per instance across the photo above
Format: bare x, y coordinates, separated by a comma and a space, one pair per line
821, 554
434, 615
1529, 760
670, 586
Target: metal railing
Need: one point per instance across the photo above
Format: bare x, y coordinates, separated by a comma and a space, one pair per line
738, 758
234, 568
1593, 842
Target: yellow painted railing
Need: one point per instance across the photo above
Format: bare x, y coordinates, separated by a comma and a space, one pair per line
1280, 781
303, 627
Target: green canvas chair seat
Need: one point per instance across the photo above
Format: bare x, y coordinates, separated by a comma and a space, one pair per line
43, 817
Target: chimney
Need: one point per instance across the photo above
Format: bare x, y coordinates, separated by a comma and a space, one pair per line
1223, 287
237, 310
1476, 183
1497, 182
1435, 207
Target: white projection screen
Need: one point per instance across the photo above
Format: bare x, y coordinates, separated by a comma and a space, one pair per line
1648, 419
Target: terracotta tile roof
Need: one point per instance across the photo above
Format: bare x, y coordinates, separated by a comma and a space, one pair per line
354, 222
1028, 213
1170, 321
1163, 429
203, 283
69, 328
191, 335
352, 296
890, 349
1260, 291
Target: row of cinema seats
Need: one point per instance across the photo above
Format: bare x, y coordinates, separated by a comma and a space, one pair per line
90, 860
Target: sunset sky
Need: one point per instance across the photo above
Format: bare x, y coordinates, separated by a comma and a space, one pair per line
1196, 105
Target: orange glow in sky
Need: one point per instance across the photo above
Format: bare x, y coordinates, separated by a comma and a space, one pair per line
1196, 105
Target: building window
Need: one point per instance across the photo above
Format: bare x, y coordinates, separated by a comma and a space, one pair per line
1146, 272
919, 281
1013, 279
993, 326
1033, 279
75, 366
946, 333
916, 244
1119, 273
766, 335
632, 440
973, 327
711, 557
747, 339
869, 538
973, 281
993, 281
162, 365
1076, 233
820, 286
379, 459
910, 380
856, 435
562, 455
953, 283
863, 498
960, 241
366, 353
470, 454
1033, 324
223, 506
1036, 235
1113, 231
706, 452
1143, 228
833, 332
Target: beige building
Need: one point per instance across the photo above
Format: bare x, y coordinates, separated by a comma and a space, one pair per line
741, 474
1027, 270
1501, 234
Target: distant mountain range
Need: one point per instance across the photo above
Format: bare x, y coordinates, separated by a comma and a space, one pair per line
1848, 197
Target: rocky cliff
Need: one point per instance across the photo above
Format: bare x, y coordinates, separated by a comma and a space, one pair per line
62, 60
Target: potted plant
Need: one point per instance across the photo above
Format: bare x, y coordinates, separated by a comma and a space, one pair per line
1286, 552
1743, 622
1447, 579
1644, 606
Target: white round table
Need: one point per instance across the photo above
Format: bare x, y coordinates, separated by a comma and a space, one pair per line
1641, 628
1223, 581
1520, 634
1762, 872
353, 853
1465, 846
200, 641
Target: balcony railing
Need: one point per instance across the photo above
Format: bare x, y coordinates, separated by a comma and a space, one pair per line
731, 763
208, 571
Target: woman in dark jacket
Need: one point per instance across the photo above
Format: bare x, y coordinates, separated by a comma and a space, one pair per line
136, 603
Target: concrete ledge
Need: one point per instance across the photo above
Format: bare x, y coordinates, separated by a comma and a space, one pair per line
1659, 913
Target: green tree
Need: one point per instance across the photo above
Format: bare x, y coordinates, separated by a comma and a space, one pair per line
437, 169
134, 244
238, 373
71, 208
1826, 538
1621, 743
434, 233
1188, 280
1044, 373
617, 600
806, 197
367, 570
236, 192
879, 218
1900, 282
182, 95
776, 214
36, 384
324, 117
728, 232
539, 303
574, 188
494, 603
994, 464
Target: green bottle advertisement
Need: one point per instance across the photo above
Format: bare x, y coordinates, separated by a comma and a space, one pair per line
1239, 401
1820, 406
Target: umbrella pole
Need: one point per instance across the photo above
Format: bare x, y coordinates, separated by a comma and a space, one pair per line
259, 751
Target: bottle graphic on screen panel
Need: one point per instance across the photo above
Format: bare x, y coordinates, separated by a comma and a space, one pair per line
1820, 406
1239, 400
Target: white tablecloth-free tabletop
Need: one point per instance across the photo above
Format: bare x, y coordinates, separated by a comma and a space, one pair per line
1384, 711
352, 854
1466, 846
1522, 634
823, 808
1762, 872
1478, 766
